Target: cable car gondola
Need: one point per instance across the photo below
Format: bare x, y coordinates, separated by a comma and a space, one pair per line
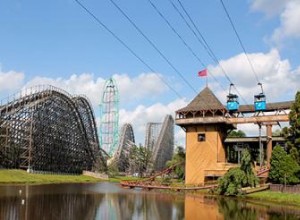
232, 101
260, 100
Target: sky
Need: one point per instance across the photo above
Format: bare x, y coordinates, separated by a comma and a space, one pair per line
151, 52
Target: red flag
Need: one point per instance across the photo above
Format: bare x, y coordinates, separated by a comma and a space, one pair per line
202, 73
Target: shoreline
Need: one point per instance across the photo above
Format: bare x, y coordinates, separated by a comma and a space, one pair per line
21, 177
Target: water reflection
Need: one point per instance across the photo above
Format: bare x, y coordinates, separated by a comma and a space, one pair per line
229, 209
87, 201
48, 202
222, 208
109, 201
140, 206
137, 204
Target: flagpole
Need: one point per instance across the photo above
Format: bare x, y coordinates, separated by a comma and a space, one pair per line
203, 73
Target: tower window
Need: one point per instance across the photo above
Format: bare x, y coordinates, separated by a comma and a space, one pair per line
201, 137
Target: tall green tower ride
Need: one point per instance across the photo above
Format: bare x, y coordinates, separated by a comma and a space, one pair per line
109, 114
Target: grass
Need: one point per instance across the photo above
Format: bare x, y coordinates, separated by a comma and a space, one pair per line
21, 177
278, 197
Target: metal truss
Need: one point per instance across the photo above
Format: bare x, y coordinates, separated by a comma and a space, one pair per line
160, 140
46, 129
109, 125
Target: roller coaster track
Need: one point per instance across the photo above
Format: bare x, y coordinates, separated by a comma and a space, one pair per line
121, 157
159, 140
160, 143
44, 128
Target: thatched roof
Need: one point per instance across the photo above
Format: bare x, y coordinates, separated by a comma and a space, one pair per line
204, 101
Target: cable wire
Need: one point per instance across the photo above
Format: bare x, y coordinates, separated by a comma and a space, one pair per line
203, 42
240, 41
126, 46
153, 45
181, 38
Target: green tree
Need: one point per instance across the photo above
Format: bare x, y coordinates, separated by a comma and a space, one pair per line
113, 169
295, 154
231, 183
276, 133
247, 166
139, 160
179, 159
294, 117
237, 133
293, 142
284, 169
237, 178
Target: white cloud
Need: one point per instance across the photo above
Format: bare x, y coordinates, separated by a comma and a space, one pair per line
289, 17
179, 137
289, 22
145, 85
279, 81
269, 7
252, 129
141, 115
288, 14
84, 83
11, 80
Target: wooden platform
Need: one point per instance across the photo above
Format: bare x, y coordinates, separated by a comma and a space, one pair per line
132, 184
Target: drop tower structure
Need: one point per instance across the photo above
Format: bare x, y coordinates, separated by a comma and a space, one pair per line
109, 116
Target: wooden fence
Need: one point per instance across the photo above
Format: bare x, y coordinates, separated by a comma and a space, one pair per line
285, 188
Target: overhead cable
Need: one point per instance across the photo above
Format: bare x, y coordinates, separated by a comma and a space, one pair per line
203, 42
126, 46
181, 38
153, 45
240, 41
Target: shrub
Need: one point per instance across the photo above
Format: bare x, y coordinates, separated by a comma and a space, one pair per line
284, 168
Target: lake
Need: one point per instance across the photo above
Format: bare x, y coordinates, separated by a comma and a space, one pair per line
110, 201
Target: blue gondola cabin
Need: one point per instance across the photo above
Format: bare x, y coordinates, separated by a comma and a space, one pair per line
232, 102
260, 102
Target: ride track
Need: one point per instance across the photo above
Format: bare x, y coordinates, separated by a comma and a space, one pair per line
127, 140
46, 129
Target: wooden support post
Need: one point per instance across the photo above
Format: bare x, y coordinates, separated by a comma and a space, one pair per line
261, 148
269, 143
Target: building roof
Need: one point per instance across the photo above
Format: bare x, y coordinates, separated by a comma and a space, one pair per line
205, 100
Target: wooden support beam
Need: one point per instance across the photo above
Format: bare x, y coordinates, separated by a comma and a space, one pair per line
239, 120
269, 144
259, 119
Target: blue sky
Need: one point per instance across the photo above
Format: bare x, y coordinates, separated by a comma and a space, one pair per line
56, 42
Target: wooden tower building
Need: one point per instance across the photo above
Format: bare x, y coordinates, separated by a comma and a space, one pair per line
207, 122
205, 133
